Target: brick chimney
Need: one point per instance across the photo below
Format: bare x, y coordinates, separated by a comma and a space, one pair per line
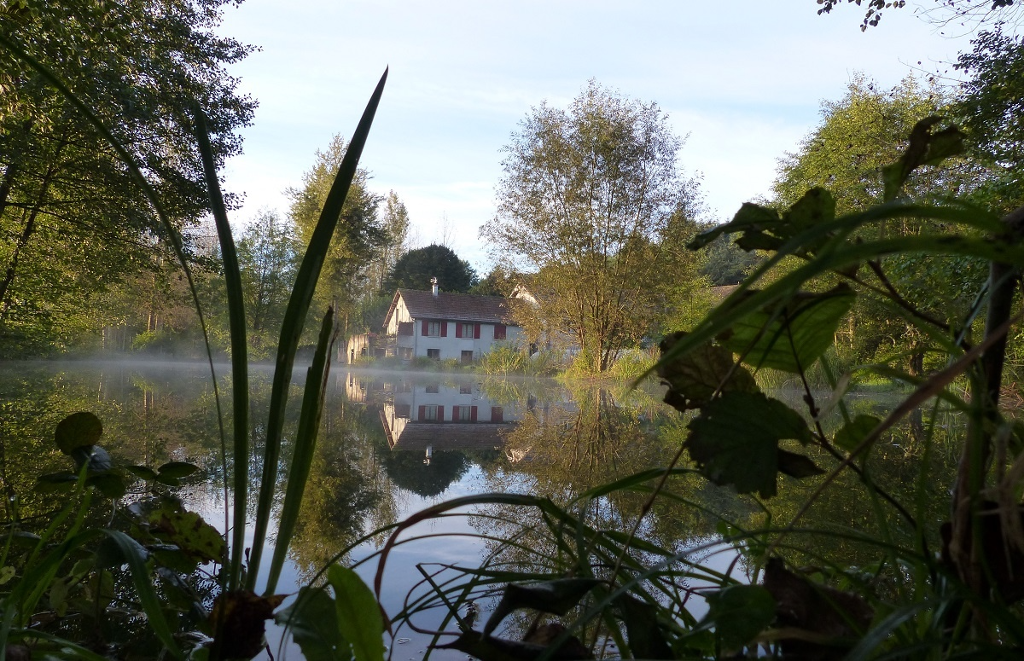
433, 286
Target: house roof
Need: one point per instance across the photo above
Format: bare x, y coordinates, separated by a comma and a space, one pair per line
449, 306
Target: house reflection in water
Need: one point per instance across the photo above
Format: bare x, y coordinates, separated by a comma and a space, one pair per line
424, 416
428, 417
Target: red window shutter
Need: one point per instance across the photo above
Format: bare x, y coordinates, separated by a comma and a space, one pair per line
476, 332
426, 327
440, 414
444, 329
499, 331
458, 330
422, 413
472, 410
497, 414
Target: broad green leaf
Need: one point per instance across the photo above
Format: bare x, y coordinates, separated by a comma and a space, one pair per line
735, 440
359, 617
694, 378
6, 574
815, 207
177, 469
144, 472
557, 597
925, 148
194, 536
313, 623
109, 484
797, 465
752, 219
851, 435
77, 430
740, 612
641, 619
55, 482
792, 336
489, 648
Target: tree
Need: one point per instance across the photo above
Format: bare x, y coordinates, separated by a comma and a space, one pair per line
858, 135
989, 109
588, 200
945, 11
76, 220
414, 269
268, 258
395, 223
358, 236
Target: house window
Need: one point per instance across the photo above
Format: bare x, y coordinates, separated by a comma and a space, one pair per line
499, 331
402, 410
467, 330
467, 356
464, 414
405, 328
434, 353
405, 353
429, 413
433, 328
497, 414
433, 387
465, 388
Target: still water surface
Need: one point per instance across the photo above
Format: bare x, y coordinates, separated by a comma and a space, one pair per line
391, 445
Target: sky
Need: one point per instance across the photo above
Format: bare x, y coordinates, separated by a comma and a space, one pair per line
742, 80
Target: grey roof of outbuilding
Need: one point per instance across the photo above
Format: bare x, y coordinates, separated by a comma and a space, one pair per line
456, 307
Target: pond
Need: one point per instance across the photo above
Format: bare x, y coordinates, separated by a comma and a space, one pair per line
394, 443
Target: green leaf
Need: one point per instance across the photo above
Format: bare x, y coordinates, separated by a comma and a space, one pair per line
359, 617
108, 484
144, 472
735, 440
694, 378
925, 148
295, 316
194, 536
313, 623
852, 434
752, 219
77, 430
645, 638
791, 336
52, 482
740, 612
177, 469
815, 207
797, 465
557, 597
489, 648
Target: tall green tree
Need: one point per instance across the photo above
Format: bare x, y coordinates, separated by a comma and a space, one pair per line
72, 219
414, 269
356, 241
268, 258
858, 135
990, 108
588, 199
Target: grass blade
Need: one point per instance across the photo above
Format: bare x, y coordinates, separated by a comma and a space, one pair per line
239, 353
305, 446
295, 317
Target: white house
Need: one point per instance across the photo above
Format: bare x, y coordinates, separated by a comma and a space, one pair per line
443, 325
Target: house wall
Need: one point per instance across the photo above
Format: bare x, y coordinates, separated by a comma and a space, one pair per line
447, 342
